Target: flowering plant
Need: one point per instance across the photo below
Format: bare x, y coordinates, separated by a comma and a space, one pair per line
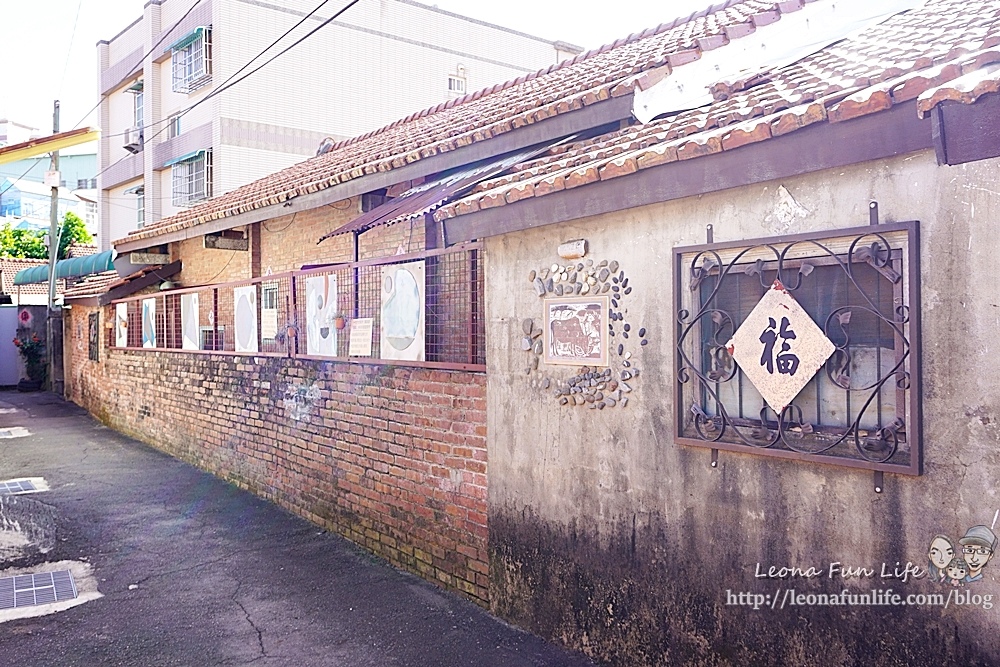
33, 351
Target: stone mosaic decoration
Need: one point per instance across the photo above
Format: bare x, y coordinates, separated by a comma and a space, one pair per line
595, 386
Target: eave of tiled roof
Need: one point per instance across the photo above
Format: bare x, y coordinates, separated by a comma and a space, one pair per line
613, 70
9, 266
945, 51
92, 285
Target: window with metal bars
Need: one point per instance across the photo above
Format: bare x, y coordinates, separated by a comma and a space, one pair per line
192, 180
862, 407
191, 62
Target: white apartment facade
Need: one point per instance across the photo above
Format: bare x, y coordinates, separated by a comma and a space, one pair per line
167, 141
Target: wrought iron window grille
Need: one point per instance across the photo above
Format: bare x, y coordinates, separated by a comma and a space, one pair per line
861, 287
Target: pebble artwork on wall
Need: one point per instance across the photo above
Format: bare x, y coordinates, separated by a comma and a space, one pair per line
588, 386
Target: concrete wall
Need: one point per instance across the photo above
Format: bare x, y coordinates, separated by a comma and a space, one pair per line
391, 458
607, 536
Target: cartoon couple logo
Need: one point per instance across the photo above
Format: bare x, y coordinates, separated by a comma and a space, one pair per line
948, 567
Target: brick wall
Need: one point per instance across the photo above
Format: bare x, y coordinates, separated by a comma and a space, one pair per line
289, 242
206, 266
392, 458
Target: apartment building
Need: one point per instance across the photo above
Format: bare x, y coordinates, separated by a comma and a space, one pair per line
173, 134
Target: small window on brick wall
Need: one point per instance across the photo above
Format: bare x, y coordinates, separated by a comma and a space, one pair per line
94, 335
802, 347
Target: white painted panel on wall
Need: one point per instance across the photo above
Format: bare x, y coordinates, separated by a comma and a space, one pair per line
402, 325
189, 321
121, 325
245, 300
149, 322
321, 309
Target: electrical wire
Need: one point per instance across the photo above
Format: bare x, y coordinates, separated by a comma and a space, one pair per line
69, 49
229, 83
32, 166
163, 35
237, 72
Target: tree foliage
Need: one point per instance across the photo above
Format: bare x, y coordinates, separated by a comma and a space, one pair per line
22, 243
73, 231
27, 243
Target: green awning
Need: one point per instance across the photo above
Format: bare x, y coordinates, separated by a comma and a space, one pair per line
187, 157
69, 268
187, 39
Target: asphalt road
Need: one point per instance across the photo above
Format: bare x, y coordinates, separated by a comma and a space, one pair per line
196, 572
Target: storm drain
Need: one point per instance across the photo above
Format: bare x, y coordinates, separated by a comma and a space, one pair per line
16, 486
30, 590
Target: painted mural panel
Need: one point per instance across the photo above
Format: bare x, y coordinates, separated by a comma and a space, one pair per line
121, 325
575, 331
189, 321
245, 300
402, 325
321, 310
149, 322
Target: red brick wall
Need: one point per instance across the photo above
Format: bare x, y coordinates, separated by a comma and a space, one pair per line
392, 458
289, 242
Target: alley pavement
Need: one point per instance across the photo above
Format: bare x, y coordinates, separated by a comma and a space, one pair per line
194, 571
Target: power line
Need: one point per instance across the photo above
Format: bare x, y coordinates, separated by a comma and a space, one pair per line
32, 166
229, 83
69, 50
132, 71
237, 72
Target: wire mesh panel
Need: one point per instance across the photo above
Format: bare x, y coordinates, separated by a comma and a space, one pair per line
424, 308
421, 308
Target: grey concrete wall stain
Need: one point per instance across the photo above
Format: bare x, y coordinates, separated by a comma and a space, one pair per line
27, 529
593, 509
299, 400
647, 598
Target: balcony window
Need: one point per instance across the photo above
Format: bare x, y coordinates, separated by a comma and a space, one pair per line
191, 61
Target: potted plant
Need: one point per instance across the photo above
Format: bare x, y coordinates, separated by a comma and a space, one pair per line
33, 351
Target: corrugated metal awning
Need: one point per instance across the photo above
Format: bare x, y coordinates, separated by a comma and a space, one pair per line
68, 268
429, 196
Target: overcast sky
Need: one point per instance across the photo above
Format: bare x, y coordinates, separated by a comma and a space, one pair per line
48, 46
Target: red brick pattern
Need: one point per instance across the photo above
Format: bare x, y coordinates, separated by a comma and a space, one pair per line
393, 458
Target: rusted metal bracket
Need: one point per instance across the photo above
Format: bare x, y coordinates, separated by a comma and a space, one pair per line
873, 213
879, 479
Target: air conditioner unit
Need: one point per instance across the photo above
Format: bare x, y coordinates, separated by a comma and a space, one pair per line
133, 139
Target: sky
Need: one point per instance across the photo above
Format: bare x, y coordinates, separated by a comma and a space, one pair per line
51, 51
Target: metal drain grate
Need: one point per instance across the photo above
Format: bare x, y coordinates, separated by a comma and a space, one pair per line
16, 486
30, 590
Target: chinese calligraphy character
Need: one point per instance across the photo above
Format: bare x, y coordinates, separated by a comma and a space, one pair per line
787, 362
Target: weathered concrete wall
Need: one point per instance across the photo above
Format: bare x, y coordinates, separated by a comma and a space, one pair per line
606, 535
392, 458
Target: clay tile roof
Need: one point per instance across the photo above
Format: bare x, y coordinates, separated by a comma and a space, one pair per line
92, 285
945, 50
81, 250
9, 266
573, 84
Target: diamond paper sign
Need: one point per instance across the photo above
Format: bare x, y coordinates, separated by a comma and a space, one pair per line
779, 347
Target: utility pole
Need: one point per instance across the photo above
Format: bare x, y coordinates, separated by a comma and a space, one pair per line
50, 320
54, 215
